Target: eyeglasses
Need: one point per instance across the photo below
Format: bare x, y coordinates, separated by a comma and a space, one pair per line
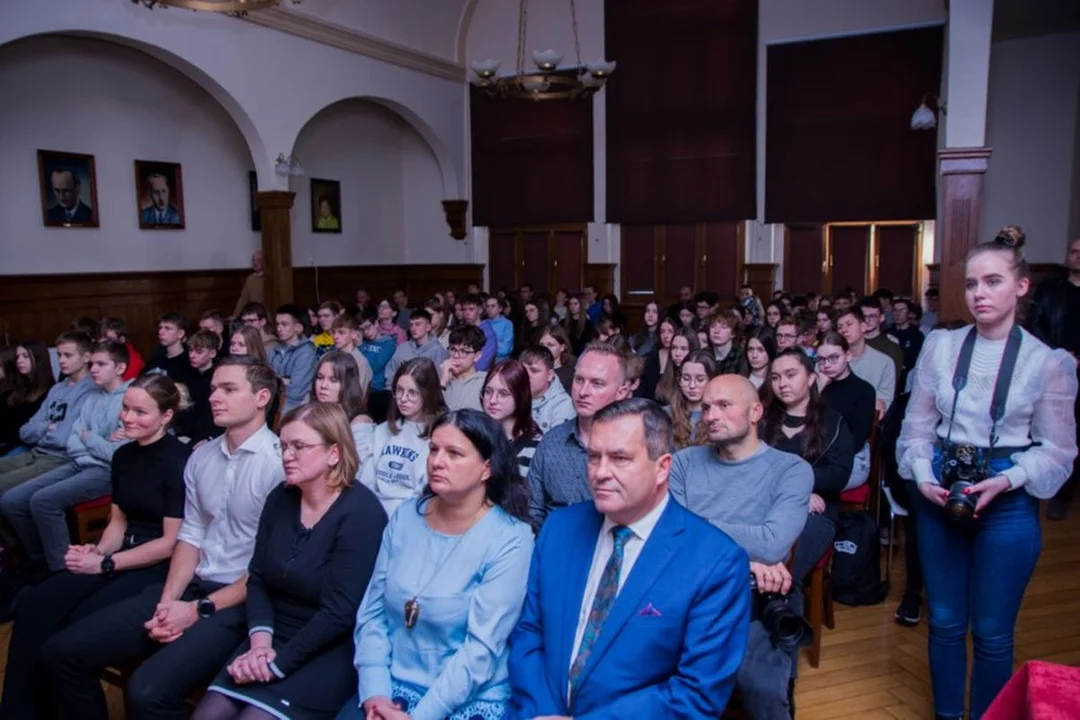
298, 448
490, 392
461, 351
786, 336
829, 359
406, 394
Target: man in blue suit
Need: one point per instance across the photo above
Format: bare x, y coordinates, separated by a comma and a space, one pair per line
636, 608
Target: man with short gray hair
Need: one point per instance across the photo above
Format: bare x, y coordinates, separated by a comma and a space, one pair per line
652, 623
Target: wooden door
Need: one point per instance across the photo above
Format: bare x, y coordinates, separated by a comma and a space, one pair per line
721, 262
535, 266
568, 259
502, 259
897, 249
679, 258
804, 256
849, 253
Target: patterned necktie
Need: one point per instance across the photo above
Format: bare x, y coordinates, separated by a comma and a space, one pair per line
602, 603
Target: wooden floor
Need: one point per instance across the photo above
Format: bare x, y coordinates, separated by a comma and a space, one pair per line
873, 669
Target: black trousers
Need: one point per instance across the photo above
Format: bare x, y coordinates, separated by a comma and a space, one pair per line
44, 609
1066, 492
75, 657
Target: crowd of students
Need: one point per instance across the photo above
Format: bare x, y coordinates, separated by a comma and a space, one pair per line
333, 513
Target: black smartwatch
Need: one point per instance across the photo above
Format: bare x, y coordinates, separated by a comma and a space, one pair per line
108, 565
206, 607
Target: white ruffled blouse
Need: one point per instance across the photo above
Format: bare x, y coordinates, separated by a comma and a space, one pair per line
1039, 410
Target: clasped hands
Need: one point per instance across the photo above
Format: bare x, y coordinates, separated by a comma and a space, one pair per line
83, 559
253, 666
771, 578
171, 618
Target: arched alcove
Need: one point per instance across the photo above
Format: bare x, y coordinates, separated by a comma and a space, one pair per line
392, 183
85, 94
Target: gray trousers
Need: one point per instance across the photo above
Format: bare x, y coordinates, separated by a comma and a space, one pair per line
17, 469
763, 677
36, 509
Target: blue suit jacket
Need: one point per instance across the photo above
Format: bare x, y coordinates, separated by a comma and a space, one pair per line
672, 643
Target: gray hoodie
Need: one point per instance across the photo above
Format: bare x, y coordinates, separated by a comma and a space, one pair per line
61, 408
552, 408
297, 363
408, 350
99, 417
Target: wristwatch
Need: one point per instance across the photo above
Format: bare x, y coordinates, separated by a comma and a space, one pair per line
205, 607
108, 565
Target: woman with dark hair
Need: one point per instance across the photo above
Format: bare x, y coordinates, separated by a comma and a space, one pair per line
760, 351
431, 633
976, 572
696, 371
657, 360
386, 314
396, 470
314, 554
337, 380
774, 312
507, 399
578, 326
554, 338
687, 315
683, 343
440, 326
536, 319
609, 306
796, 421
27, 381
645, 340
133, 552
606, 330
851, 396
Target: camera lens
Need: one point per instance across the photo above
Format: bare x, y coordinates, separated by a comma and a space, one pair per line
961, 506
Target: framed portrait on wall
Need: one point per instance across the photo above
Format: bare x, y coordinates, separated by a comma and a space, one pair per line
253, 190
325, 206
159, 192
68, 184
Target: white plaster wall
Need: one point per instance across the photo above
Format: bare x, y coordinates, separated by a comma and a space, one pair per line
270, 82
427, 236
1032, 127
119, 105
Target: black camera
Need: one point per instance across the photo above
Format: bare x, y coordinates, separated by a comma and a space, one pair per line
963, 467
787, 628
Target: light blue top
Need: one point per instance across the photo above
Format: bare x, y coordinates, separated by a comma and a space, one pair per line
470, 589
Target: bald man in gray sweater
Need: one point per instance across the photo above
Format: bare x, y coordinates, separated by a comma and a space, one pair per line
760, 497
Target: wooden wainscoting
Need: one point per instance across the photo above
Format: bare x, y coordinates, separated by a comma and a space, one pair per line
602, 277
43, 306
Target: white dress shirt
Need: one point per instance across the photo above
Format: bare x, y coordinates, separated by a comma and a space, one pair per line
224, 493
605, 545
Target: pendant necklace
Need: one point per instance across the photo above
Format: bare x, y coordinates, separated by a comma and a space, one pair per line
412, 607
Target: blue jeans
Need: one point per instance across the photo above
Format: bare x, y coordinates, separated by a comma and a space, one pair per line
975, 576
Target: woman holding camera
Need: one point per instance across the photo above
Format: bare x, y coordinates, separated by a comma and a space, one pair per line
993, 406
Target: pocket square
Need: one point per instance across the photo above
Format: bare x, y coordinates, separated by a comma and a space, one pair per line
649, 611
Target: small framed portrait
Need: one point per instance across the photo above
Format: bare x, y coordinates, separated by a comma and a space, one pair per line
68, 189
159, 190
325, 206
253, 189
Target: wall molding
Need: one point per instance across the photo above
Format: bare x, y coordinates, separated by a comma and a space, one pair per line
357, 42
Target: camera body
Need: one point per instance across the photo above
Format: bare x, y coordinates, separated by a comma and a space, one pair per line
963, 467
787, 628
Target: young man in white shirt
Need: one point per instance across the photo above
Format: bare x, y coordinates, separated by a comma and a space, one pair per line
551, 404
185, 630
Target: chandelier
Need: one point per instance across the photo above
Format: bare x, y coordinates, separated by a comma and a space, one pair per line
548, 81
236, 8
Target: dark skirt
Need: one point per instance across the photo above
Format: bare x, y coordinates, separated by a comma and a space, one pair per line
315, 690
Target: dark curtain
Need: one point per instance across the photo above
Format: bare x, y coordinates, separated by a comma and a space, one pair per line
839, 143
532, 162
681, 110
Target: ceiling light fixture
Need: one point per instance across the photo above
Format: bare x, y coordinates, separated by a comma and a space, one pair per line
236, 8
925, 116
548, 81
288, 165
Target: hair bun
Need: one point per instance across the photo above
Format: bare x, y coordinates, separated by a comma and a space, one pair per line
1011, 236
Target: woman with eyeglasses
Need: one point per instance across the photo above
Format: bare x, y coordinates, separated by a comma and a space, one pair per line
507, 399
696, 371
798, 422
315, 551
760, 351
431, 633
851, 396
683, 343
397, 469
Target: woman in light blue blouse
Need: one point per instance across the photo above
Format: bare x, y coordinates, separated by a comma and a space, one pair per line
448, 585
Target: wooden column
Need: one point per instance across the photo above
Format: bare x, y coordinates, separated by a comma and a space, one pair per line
962, 171
274, 206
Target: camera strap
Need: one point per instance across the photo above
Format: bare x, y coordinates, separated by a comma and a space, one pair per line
1001, 384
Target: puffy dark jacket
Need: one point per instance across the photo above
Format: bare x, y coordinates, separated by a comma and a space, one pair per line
1047, 320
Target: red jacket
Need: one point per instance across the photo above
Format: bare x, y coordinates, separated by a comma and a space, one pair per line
135, 363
